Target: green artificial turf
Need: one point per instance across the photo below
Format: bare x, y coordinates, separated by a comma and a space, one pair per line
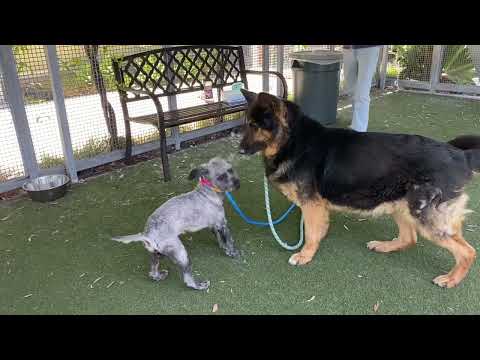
59, 259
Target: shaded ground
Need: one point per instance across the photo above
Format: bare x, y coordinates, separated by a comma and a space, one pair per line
58, 259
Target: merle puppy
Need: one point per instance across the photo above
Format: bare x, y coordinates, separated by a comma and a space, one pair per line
196, 210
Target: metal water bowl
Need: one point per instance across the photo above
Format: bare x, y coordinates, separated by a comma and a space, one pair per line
47, 188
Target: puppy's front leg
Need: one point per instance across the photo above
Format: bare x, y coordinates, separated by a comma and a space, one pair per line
225, 240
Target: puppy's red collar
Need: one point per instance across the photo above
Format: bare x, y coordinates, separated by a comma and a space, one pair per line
205, 182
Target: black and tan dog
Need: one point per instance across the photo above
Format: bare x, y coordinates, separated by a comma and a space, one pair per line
417, 180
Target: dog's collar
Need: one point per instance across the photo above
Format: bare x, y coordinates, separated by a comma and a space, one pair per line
205, 182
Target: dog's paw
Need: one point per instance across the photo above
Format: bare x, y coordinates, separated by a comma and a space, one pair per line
389, 246
379, 246
233, 253
299, 259
203, 285
446, 281
159, 275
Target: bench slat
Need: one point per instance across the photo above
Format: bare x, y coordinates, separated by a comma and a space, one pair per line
190, 114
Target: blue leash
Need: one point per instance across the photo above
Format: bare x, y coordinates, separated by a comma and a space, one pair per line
270, 222
255, 222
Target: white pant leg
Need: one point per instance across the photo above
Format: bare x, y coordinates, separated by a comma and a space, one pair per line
350, 70
367, 59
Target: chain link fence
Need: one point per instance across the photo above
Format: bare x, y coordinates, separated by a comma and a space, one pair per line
94, 112
451, 69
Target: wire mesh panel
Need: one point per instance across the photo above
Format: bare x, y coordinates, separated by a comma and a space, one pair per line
460, 64
11, 164
254, 61
92, 101
35, 82
414, 61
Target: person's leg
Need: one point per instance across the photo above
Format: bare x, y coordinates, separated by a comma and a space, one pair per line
350, 69
367, 63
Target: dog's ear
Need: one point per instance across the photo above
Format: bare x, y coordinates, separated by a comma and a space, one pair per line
197, 173
269, 101
248, 95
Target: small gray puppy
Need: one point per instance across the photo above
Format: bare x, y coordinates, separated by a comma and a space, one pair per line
196, 210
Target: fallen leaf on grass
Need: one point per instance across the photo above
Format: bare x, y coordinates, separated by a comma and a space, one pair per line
82, 275
215, 308
376, 306
110, 284
345, 226
31, 237
362, 219
27, 296
311, 299
95, 281
8, 216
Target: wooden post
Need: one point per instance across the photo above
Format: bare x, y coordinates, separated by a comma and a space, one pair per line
14, 97
172, 105
436, 67
59, 100
265, 67
383, 67
280, 55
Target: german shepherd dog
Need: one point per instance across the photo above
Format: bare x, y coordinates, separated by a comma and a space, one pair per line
418, 181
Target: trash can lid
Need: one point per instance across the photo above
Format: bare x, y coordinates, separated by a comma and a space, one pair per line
321, 57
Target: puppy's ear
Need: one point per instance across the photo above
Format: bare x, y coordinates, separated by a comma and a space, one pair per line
248, 95
197, 173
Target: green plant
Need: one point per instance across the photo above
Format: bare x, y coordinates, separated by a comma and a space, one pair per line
95, 146
77, 73
457, 64
20, 53
415, 62
92, 147
48, 161
392, 71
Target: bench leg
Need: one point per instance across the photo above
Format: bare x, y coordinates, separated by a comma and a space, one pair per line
164, 155
128, 141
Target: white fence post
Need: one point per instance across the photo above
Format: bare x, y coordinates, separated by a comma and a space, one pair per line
436, 67
14, 97
280, 55
383, 67
266, 67
172, 104
59, 100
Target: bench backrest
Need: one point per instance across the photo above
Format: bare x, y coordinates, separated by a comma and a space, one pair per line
177, 70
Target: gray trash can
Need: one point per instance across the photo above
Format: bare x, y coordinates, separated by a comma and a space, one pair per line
316, 78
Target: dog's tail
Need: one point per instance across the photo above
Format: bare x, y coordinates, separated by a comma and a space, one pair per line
130, 238
470, 144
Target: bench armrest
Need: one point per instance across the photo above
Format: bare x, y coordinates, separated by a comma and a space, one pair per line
152, 96
278, 74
